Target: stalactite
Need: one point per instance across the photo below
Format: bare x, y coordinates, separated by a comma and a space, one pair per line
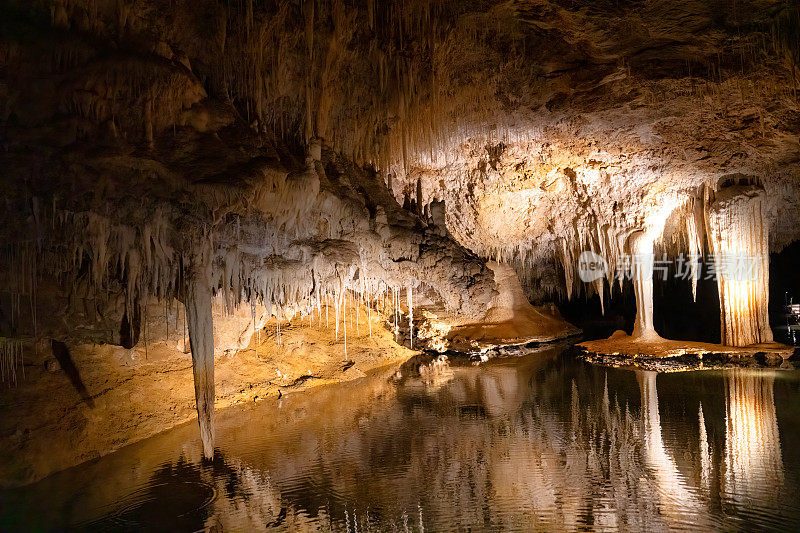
396, 307
201, 338
695, 233
344, 317
419, 196
337, 307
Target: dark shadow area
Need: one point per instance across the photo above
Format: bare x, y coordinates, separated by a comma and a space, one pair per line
677, 316
129, 330
586, 313
784, 290
178, 497
62, 355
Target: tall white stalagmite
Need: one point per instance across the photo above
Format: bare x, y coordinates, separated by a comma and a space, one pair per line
201, 339
641, 246
738, 236
410, 318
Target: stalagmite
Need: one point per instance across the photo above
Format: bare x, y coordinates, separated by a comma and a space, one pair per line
641, 246
410, 318
201, 339
738, 235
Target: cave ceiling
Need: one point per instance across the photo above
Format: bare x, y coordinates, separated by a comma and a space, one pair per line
544, 126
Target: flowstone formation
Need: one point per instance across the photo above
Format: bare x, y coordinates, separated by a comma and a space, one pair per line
738, 231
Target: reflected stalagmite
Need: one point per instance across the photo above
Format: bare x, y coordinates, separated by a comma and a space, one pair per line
753, 460
676, 499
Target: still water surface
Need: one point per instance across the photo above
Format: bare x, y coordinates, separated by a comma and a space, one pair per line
539, 442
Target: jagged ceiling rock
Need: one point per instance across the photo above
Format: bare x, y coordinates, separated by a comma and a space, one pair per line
542, 124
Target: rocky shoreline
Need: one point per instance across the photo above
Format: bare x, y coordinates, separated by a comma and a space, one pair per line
690, 361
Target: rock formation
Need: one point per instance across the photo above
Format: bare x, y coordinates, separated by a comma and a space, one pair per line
739, 240
641, 245
257, 153
201, 337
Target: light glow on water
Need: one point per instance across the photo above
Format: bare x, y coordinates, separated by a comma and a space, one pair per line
539, 442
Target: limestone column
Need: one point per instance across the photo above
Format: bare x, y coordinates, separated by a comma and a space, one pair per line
642, 257
201, 339
738, 237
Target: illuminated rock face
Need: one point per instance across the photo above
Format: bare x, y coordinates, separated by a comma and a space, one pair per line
738, 235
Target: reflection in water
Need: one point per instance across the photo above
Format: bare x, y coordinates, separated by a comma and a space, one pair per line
705, 452
753, 463
540, 442
676, 501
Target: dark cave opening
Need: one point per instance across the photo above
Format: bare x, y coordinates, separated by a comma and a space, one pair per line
784, 289
130, 328
679, 316
586, 312
676, 314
